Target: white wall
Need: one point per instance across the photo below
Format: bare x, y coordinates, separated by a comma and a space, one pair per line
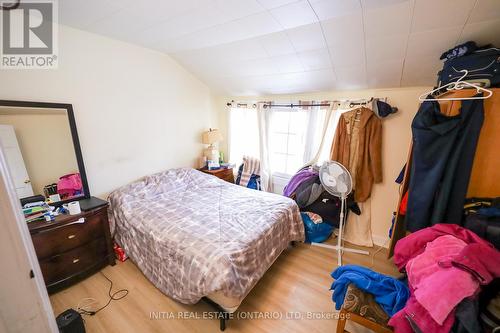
396, 140
137, 111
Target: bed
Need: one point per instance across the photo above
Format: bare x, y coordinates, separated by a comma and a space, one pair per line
196, 236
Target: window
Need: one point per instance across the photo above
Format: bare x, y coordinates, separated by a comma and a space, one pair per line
293, 136
287, 136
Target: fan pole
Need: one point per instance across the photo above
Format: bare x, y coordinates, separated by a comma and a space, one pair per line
341, 227
339, 248
342, 194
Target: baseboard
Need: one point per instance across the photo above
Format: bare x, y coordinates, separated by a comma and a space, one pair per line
380, 240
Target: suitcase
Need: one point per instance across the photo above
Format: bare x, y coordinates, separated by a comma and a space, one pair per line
483, 68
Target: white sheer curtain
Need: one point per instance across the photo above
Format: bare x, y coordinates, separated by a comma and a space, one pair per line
266, 172
329, 133
284, 139
316, 140
243, 134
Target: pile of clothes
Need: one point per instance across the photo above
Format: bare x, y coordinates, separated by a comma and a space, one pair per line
446, 267
306, 189
391, 294
452, 283
304, 186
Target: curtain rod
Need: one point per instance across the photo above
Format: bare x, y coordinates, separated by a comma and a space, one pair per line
292, 105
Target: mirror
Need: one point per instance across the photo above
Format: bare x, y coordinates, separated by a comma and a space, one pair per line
41, 146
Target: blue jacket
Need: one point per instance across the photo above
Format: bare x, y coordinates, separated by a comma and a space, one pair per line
389, 292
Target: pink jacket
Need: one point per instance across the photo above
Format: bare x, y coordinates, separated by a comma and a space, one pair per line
433, 257
414, 244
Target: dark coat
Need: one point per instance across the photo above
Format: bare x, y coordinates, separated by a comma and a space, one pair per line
443, 153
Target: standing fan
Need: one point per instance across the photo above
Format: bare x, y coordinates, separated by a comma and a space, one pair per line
338, 182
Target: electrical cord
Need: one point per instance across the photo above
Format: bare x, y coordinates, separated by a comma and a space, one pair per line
377, 251
115, 296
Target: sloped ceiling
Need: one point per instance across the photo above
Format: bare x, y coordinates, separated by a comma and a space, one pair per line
249, 47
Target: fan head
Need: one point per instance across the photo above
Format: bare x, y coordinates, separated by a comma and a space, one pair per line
336, 179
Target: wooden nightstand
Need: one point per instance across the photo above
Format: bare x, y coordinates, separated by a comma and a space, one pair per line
225, 174
72, 247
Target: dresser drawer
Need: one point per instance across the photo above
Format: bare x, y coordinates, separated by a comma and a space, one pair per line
229, 178
76, 261
68, 236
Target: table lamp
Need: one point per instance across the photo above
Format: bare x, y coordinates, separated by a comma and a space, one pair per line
211, 137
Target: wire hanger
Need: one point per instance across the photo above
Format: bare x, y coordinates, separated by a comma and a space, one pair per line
457, 85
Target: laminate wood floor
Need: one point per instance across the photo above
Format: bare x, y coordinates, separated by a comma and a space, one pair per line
296, 286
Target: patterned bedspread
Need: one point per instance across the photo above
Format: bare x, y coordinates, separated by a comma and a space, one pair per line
192, 234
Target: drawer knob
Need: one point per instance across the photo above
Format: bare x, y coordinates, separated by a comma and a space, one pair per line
71, 236
76, 260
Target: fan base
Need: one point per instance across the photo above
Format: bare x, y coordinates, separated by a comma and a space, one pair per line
345, 249
341, 249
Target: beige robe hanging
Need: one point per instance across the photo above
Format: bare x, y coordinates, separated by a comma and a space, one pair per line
358, 227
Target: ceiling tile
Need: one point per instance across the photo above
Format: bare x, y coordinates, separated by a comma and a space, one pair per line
431, 14
487, 32
255, 68
420, 70
200, 18
240, 50
391, 47
351, 77
258, 24
219, 34
276, 44
347, 55
485, 10
294, 14
81, 14
127, 25
235, 9
299, 82
326, 9
372, 4
432, 43
160, 10
345, 29
307, 37
269, 4
315, 59
392, 19
288, 63
384, 74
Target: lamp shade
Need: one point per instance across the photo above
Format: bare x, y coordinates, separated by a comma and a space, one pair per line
210, 137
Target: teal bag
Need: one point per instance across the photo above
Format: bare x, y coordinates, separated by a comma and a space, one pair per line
315, 232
